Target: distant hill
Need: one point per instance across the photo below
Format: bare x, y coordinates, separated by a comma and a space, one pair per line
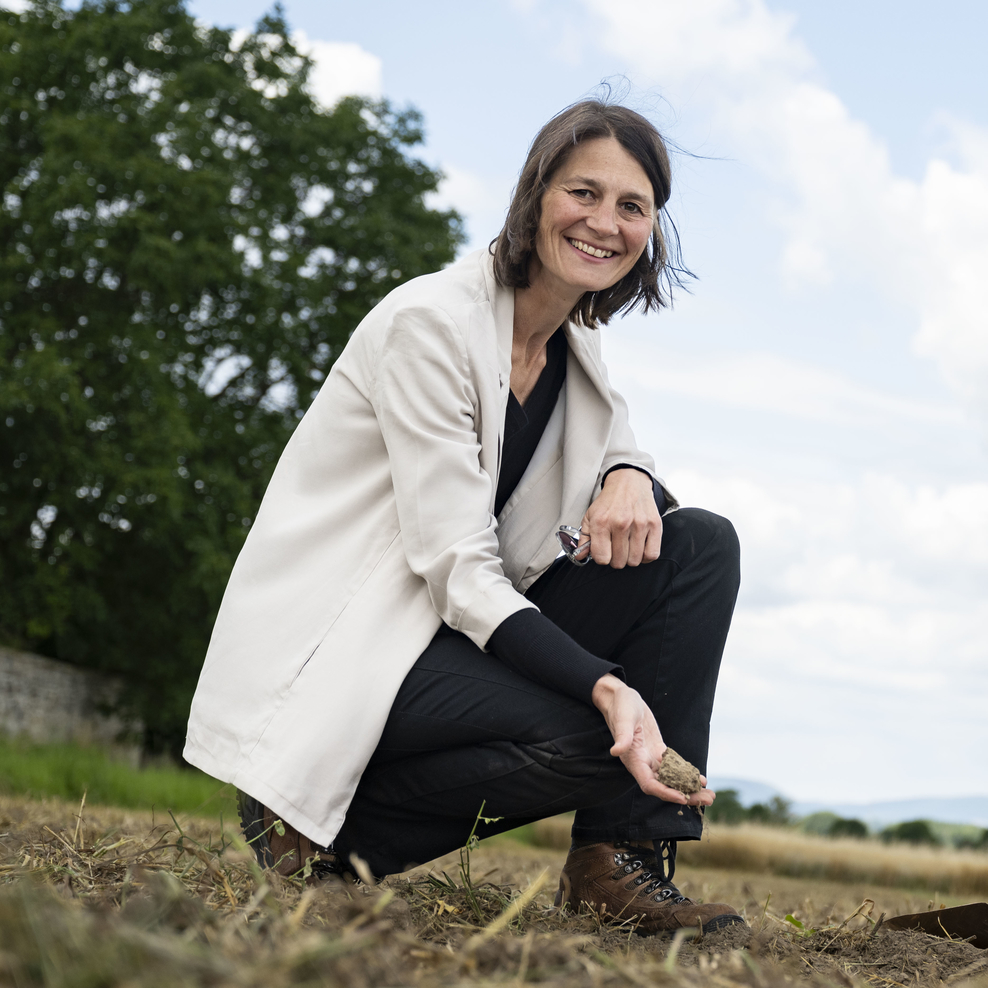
967, 809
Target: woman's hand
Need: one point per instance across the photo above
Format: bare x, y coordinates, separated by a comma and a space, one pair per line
623, 523
638, 741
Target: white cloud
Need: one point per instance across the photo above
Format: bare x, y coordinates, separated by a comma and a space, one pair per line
771, 383
846, 214
862, 630
954, 329
468, 192
342, 68
481, 199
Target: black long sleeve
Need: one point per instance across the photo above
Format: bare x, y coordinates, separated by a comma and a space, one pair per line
536, 648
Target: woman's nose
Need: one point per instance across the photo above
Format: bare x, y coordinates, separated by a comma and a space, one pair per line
603, 219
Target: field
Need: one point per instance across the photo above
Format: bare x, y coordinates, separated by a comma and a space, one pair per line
126, 898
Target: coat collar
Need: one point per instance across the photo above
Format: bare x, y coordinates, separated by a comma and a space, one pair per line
503, 308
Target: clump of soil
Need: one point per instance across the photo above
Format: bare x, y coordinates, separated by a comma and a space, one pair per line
677, 773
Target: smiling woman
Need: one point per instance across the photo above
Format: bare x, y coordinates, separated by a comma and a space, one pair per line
400, 649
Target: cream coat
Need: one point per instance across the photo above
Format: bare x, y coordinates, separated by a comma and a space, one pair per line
377, 526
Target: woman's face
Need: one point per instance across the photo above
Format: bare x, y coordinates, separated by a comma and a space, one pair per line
597, 216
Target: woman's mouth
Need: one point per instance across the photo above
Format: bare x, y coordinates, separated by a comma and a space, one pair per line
587, 249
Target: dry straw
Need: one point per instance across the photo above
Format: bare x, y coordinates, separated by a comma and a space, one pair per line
781, 851
111, 898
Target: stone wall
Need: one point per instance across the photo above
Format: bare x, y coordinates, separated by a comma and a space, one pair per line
46, 700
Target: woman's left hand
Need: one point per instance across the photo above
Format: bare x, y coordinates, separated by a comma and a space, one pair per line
638, 741
623, 523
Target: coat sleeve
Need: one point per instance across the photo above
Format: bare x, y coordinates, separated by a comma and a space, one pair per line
426, 401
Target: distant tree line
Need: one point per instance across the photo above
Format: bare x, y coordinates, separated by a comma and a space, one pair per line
186, 242
922, 832
728, 809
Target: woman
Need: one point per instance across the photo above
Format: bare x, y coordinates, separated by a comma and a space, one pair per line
399, 643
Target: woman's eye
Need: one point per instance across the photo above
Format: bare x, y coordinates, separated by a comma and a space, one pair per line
632, 207
582, 193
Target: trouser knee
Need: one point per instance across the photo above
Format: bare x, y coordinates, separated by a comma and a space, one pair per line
690, 534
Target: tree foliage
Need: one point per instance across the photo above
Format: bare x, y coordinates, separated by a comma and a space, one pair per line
847, 827
911, 832
729, 809
186, 241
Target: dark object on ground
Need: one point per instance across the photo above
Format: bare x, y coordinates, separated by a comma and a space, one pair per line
624, 881
956, 923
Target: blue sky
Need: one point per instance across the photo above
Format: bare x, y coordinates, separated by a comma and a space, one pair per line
826, 384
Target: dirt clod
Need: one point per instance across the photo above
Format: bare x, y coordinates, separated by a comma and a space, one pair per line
677, 773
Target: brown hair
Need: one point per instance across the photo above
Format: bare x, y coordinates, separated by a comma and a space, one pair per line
515, 244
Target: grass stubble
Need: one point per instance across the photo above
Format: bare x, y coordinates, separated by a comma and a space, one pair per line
99, 897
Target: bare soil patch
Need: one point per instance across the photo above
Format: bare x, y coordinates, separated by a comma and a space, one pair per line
119, 898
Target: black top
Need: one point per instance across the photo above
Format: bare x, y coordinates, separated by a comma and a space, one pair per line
528, 641
523, 427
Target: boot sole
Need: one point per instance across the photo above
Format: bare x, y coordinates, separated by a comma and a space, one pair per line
717, 923
720, 922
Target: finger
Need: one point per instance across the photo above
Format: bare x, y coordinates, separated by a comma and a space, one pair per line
622, 743
653, 542
620, 547
644, 773
622, 728
638, 539
705, 797
600, 545
652, 787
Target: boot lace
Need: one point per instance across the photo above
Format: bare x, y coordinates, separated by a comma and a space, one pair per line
657, 869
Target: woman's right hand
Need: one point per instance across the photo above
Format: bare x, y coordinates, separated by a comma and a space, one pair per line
638, 741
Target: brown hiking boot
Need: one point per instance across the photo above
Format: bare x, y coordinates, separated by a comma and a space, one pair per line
289, 852
624, 881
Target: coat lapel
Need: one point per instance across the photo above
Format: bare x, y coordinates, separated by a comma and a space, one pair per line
589, 414
559, 483
502, 302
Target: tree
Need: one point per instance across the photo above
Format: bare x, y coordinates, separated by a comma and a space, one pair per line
977, 842
776, 812
911, 832
847, 827
186, 241
726, 808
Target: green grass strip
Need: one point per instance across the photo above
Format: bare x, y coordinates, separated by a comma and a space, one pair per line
66, 771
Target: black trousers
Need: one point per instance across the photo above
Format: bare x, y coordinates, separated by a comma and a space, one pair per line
466, 730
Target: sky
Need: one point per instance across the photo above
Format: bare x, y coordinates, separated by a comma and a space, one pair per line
825, 383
